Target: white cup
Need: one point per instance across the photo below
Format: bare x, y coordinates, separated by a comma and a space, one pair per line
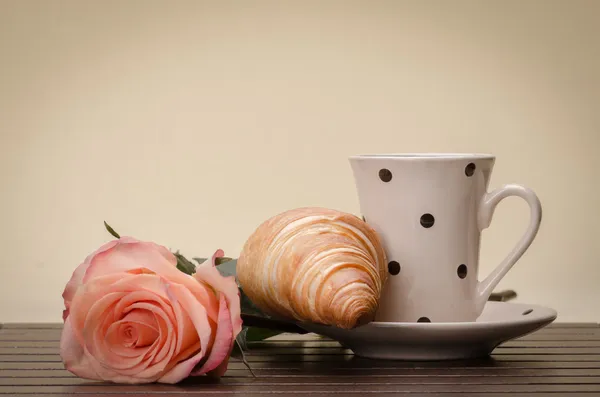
429, 210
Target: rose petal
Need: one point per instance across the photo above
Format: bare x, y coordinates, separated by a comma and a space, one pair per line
149, 366
159, 305
186, 332
167, 338
138, 329
100, 318
74, 356
144, 324
164, 318
221, 348
221, 368
127, 255
150, 288
79, 361
202, 328
168, 255
208, 273
130, 254
119, 346
77, 277
88, 295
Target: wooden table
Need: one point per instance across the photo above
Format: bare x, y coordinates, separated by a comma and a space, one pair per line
562, 358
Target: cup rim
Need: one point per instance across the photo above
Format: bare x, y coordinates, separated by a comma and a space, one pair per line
424, 156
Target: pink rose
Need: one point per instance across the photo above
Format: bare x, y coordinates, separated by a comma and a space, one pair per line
132, 317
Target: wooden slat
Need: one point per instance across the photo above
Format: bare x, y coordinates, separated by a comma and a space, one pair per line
325, 350
377, 373
537, 341
377, 365
307, 389
29, 326
44, 337
335, 358
337, 394
29, 336
573, 325
293, 368
333, 344
41, 344
30, 365
542, 337
341, 351
267, 345
281, 383
533, 338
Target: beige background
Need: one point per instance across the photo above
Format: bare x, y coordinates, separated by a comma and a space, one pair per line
189, 123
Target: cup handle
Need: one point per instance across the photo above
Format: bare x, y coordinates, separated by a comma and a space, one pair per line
484, 217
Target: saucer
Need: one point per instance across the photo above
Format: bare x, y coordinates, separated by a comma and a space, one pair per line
498, 323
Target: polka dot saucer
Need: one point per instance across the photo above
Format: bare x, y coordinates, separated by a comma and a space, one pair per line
499, 322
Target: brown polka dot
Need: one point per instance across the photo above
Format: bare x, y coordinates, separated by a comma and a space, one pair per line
462, 271
385, 175
394, 268
427, 220
470, 169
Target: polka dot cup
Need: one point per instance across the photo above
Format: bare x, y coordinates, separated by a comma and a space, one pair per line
429, 210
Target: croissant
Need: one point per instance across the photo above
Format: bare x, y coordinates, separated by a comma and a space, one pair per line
314, 265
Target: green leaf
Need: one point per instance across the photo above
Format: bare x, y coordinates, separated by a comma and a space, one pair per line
184, 265
278, 324
200, 260
248, 307
111, 230
255, 334
228, 268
